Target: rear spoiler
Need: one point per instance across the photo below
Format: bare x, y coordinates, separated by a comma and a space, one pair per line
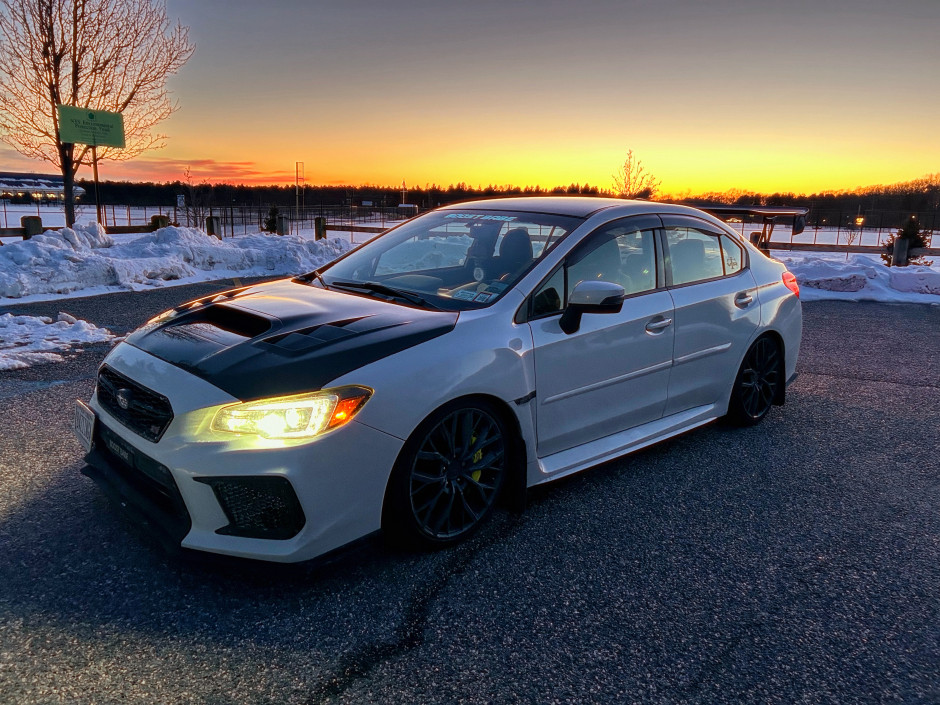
769, 216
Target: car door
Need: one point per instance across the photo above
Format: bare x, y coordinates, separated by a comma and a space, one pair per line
612, 373
716, 310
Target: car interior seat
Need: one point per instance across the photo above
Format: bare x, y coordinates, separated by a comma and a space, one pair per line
688, 261
515, 253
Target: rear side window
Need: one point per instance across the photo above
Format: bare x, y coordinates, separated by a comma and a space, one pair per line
732, 255
694, 255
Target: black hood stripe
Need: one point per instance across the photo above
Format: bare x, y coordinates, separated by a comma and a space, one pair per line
286, 337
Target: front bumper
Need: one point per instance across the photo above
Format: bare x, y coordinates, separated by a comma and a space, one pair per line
172, 486
168, 522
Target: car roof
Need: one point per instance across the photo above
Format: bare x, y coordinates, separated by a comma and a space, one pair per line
576, 206
579, 207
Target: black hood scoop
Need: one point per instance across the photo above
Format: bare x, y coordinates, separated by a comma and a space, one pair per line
284, 337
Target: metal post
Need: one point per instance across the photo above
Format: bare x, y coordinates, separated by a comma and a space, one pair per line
298, 180
94, 169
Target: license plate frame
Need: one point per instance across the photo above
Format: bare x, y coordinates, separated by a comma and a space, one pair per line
83, 424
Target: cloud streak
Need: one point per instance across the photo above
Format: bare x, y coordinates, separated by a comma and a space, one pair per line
210, 170
157, 169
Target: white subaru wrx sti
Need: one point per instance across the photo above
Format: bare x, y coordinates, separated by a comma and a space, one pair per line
472, 352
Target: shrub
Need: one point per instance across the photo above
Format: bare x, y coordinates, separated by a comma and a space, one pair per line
270, 223
910, 231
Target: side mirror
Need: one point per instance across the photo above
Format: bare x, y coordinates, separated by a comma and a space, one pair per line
591, 296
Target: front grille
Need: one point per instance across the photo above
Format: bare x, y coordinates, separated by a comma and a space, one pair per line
142, 410
262, 507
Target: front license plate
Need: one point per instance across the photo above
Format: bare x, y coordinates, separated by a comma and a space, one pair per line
83, 424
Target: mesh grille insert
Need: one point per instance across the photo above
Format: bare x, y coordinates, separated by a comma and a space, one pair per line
258, 507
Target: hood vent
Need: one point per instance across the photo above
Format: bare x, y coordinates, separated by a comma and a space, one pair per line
233, 320
316, 336
221, 325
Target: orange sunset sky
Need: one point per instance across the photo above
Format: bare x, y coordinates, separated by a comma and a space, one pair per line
762, 95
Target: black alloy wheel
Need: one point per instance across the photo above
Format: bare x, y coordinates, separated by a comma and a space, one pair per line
758, 382
448, 477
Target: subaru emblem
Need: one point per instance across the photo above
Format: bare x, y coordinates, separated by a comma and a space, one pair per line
123, 397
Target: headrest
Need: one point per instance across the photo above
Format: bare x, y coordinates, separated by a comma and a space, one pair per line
516, 245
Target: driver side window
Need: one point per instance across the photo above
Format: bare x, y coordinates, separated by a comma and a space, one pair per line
622, 255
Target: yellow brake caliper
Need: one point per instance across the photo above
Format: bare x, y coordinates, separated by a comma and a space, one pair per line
477, 457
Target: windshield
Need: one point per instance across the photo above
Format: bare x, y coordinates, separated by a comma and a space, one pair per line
449, 259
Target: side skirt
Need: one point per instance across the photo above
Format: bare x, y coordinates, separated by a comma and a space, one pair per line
568, 462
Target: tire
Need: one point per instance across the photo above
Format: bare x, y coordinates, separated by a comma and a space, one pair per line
448, 476
757, 385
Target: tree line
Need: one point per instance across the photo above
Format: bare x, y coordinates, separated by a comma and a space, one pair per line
222, 195
920, 195
917, 196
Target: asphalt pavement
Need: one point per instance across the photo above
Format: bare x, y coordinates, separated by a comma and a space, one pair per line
794, 562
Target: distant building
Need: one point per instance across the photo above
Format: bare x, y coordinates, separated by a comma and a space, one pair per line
39, 187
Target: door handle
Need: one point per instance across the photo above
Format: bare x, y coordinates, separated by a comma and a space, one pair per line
743, 300
655, 326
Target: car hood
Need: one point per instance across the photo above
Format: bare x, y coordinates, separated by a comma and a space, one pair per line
284, 337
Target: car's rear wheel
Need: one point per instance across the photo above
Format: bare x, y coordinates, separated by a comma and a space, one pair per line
758, 382
448, 476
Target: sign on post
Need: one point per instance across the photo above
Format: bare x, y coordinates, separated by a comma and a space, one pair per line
97, 128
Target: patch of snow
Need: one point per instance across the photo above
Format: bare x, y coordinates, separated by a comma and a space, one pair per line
86, 260
918, 280
861, 278
35, 340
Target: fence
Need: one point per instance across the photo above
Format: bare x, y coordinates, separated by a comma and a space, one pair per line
242, 220
827, 230
852, 228
223, 224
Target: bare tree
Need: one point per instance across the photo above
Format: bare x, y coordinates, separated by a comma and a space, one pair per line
198, 197
633, 181
111, 55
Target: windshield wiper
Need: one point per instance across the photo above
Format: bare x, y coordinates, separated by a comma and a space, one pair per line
379, 288
306, 278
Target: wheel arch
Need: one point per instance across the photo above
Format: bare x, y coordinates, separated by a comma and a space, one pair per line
773, 334
514, 491
781, 396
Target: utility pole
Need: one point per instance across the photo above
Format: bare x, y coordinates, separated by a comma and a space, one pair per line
298, 180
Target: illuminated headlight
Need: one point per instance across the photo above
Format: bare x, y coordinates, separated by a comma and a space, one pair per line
298, 416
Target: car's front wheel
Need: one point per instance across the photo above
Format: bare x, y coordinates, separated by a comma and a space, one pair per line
758, 383
448, 475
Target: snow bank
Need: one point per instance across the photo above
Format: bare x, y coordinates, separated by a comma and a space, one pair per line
862, 278
29, 340
70, 260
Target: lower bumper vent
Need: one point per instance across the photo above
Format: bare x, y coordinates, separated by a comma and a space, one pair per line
259, 507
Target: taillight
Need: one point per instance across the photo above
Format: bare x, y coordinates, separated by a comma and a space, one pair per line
789, 281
